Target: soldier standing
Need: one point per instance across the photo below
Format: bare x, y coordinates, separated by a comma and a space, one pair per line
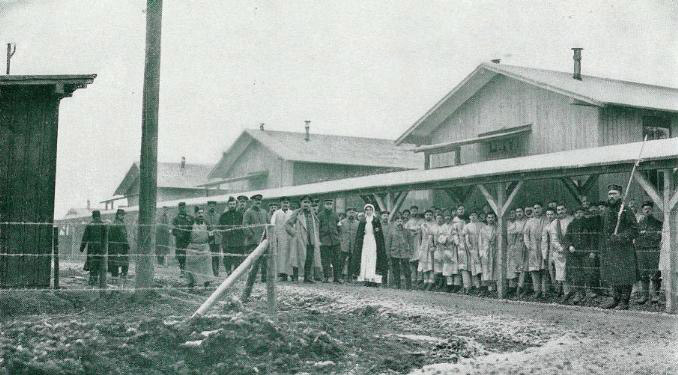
118, 249
231, 235
648, 244
212, 221
181, 231
328, 231
93, 239
254, 225
348, 229
618, 266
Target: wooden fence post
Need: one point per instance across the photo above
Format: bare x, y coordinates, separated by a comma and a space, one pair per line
272, 271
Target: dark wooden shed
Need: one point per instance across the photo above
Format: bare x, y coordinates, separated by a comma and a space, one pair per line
29, 118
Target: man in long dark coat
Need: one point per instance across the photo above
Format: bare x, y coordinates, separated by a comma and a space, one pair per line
182, 225
232, 235
118, 248
619, 267
578, 245
328, 230
93, 239
648, 245
212, 221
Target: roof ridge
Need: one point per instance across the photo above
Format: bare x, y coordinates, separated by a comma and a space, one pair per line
323, 134
489, 64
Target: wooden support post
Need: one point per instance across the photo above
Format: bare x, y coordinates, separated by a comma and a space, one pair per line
399, 203
670, 243
579, 191
55, 256
272, 272
149, 146
380, 202
650, 190
500, 206
232, 278
501, 246
389, 202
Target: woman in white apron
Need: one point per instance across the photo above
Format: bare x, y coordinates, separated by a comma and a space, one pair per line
370, 258
198, 256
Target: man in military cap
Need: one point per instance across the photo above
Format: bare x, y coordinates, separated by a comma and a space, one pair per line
182, 224
618, 258
93, 240
648, 245
329, 241
118, 248
279, 219
348, 228
242, 203
254, 222
232, 235
212, 221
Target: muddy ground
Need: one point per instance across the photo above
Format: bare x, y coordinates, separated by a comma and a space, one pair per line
324, 329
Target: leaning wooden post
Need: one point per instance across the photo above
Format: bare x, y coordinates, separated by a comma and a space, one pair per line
232, 278
272, 271
501, 247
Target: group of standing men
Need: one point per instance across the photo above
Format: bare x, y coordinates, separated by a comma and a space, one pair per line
601, 247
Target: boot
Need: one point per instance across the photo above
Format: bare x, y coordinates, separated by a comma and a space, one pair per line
295, 274
644, 293
652, 290
615, 299
566, 297
428, 286
577, 298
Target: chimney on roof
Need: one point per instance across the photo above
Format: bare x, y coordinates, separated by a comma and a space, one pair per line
88, 204
307, 137
261, 126
183, 162
496, 61
577, 63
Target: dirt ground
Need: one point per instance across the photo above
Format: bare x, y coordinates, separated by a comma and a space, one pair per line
323, 329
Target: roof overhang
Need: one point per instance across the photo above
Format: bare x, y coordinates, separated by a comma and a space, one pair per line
63, 85
481, 138
248, 176
658, 154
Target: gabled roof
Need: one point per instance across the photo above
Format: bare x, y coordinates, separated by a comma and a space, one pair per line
592, 90
170, 175
323, 148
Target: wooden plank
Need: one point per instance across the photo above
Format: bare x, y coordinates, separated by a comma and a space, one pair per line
650, 190
591, 181
399, 202
490, 200
509, 200
572, 188
272, 272
379, 201
501, 248
673, 201
670, 244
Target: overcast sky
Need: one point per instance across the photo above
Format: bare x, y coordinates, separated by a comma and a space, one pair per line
363, 68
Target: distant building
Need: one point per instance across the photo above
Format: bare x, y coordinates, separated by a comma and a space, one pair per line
175, 181
264, 159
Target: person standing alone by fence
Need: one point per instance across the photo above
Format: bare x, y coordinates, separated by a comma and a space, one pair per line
118, 249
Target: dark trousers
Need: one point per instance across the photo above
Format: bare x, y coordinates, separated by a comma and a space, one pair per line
622, 293
232, 257
119, 270
345, 261
329, 255
260, 264
399, 265
214, 248
308, 263
180, 253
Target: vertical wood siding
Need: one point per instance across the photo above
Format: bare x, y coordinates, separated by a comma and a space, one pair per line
557, 125
255, 158
28, 140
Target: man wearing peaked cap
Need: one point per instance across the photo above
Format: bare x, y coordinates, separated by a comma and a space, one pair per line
231, 199
93, 241
256, 197
648, 246
282, 238
118, 249
182, 225
618, 265
255, 220
212, 221
232, 235
242, 203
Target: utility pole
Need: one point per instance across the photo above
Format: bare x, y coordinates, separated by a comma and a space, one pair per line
149, 147
11, 49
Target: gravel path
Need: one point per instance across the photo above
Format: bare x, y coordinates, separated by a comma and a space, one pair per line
564, 339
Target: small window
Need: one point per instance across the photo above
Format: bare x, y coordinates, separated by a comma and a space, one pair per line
655, 127
443, 159
503, 148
